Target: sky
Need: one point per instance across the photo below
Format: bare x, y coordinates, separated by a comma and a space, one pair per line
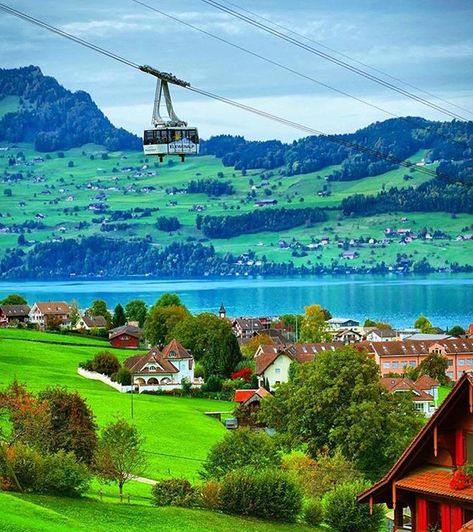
427, 43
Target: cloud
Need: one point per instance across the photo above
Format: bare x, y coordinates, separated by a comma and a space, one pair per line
462, 50
103, 27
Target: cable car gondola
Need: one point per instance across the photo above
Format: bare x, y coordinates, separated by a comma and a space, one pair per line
171, 136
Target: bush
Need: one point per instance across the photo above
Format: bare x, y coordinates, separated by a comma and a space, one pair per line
213, 384
199, 371
209, 495
88, 365
344, 513
313, 512
123, 376
26, 463
269, 494
106, 363
62, 475
173, 492
240, 448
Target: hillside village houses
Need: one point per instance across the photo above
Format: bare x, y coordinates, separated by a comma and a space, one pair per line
424, 391
43, 314
11, 314
163, 368
87, 323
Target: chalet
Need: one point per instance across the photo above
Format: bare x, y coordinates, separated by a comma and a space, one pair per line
126, 336
347, 336
160, 369
381, 335
46, 313
247, 397
342, 323
249, 404
13, 313
244, 328
422, 400
421, 488
272, 362
396, 356
86, 323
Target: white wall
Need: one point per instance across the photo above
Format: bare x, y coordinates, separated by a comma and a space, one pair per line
278, 371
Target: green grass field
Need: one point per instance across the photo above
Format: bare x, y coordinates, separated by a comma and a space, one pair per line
52, 186
177, 433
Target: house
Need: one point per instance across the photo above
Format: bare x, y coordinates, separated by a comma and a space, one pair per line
381, 335
347, 336
342, 323
163, 369
17, 313
276, 335
86, 323
44, 314
428, 336
418, 487
422, 400
245, 327
126, 336
396, 356
272, 362
249, 403
429, 385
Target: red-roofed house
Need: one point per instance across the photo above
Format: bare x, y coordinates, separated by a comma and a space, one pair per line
249, 404
46, 313
422, 400
165, 368
126, 336
418, 487
246, 397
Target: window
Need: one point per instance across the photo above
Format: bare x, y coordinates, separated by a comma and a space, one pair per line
386, 364
412, 363
152, 368
450, 362
450, 374
461, 361
172, 354
395, 365
469, 361
404, 363
459, 374
277, 371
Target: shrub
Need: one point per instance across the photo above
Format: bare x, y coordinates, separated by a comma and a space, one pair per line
213, 384
62, 475
240, 448
88, 365
209, 495
106, 363
243, 373
123, 376
199, 371
313, 512
269, 494
344, 513
173, 492
25, 462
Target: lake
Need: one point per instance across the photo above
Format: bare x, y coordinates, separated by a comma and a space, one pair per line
447, 299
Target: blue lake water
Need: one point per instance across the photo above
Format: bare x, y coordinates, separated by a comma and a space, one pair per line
447, 299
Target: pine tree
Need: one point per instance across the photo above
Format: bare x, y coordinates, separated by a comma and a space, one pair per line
119, 317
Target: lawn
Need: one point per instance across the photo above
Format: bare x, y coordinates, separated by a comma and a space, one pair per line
177, 433
44, 513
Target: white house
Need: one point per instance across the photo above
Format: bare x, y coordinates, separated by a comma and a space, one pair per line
87, 323
163, 369
381, 335
342, 323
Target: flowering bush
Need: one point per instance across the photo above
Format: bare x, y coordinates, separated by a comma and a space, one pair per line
244, 373
461, 480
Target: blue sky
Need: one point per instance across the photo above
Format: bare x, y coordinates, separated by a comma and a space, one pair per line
428, 43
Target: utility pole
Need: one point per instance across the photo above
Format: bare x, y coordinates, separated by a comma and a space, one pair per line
132, 390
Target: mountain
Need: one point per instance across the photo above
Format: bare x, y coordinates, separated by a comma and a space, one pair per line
52, 117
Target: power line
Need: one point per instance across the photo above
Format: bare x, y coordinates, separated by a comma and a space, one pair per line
332, 59
346, 56
306, 129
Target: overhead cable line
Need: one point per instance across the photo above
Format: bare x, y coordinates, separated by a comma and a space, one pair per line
332, 59
346, 56
172, 79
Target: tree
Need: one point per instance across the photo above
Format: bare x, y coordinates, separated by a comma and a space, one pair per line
119, 317
377, 324
222, 356
424, 325
119, 454
249, 348
14, 299
314, 327
434, 365
456, 330
161, 321
74, 315
345, 407
136, 310
72, 423
21, 240
238, 449
99, 308
106, 363
168, 299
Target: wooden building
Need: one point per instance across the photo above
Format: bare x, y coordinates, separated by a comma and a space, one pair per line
126, 336
419, 486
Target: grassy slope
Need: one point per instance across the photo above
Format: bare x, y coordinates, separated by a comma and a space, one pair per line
287, 190
43, 513
177, 433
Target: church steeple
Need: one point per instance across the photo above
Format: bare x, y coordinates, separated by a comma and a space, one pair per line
222, 312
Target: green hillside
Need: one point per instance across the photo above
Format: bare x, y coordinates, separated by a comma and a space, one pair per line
48, 197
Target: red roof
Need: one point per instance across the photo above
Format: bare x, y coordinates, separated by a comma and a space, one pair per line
426, 382
53, 307
403, 384
175, 350
241, 396
418, 347
137, 364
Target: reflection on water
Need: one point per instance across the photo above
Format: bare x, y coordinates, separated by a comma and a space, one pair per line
445, 298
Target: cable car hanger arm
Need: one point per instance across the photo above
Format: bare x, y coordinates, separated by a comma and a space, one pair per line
164, 76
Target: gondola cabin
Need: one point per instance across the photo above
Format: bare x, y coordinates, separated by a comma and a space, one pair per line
163, 141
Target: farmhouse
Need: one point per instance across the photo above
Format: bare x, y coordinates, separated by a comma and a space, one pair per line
126, 336
45, 314
86, 323
420, 487
272, 363
165, 368
396, 356
11, 313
